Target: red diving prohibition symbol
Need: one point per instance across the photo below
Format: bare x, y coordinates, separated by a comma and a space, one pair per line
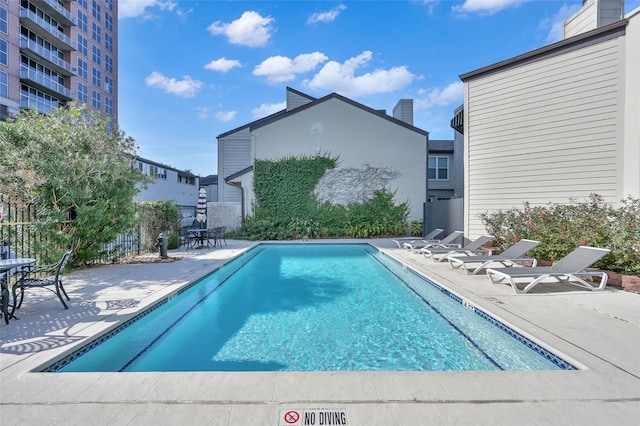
291, 417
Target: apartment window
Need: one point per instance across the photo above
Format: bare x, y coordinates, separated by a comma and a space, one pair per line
4, 20
438, 168
96, 11
83, 69
83, 93
96, 55
108, 64
96, 77
96, 100
4, 84
189, 180
108, 4
108, 84
84, 4
108, 106
83, 21
108, 43
96, 32
82, 45
4, 52
108, 22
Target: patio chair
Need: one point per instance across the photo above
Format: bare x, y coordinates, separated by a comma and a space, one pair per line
571, 269
446, 242
41, 277
441, 254
217, 235
510, 257
429, 237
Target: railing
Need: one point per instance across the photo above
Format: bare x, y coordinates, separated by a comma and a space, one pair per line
45, 82
47, 54
54, 31
18, 237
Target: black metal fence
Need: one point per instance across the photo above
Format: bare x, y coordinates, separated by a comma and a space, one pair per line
18, 237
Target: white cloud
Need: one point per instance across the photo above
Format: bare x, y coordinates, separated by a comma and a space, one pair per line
267, 109
279, 69
223, 65
250, 29
185, 88
226, 115
452, 94
342, 78
555, 24
134, 8
487, 7
325, 17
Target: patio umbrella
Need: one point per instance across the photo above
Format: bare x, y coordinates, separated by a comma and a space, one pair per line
201, 215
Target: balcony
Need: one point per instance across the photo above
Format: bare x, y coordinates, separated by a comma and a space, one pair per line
40, 106
52, 34
43, 82
57, 12
40, 53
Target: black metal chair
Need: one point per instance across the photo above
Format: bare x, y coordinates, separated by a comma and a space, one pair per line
42, 277
221, 235
4, 296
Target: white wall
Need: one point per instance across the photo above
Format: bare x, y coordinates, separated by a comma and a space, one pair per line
630, 182
545, 131
358, 138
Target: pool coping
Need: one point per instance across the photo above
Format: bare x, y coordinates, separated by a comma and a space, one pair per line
610, 382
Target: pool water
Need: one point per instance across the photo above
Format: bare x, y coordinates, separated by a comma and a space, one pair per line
313, 307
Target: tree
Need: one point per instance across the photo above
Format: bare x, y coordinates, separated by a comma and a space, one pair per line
77, 169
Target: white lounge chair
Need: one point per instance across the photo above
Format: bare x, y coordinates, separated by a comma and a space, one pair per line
447, 241
509, 257
441, 254
570, 269
429, 237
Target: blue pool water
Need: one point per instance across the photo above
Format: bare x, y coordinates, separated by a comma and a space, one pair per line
312, 307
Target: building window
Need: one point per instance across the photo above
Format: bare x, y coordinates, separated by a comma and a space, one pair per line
96, 100
96, 11
108, 106
83, 21
83, 69
108, 43
438, 168
108, 64
108, 4
82, 45
97, 77
84, 4
4, 84
4, 20
189, 180
96, 32
96, 55
108, 84
108, 21
83, 93
4, 52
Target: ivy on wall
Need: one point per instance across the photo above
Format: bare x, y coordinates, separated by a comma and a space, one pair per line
283, 189
287, 208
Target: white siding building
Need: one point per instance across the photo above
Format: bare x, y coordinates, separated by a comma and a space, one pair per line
556, 123
170, 184
360, 136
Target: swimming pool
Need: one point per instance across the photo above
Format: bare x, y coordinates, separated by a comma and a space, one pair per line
312, 307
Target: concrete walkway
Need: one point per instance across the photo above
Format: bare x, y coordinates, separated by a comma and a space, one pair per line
599, 331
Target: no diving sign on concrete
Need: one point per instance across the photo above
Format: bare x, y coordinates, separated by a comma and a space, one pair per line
295, 417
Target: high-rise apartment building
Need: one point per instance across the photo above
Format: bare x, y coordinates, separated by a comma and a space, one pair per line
55, 51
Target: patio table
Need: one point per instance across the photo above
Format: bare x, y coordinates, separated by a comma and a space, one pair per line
7, 265
200, 234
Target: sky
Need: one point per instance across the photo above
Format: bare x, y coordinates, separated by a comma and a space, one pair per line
190, 70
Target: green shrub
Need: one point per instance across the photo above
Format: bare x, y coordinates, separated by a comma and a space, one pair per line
561, 228
174, 241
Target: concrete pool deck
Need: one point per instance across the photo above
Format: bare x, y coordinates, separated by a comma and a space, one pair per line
598, 331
